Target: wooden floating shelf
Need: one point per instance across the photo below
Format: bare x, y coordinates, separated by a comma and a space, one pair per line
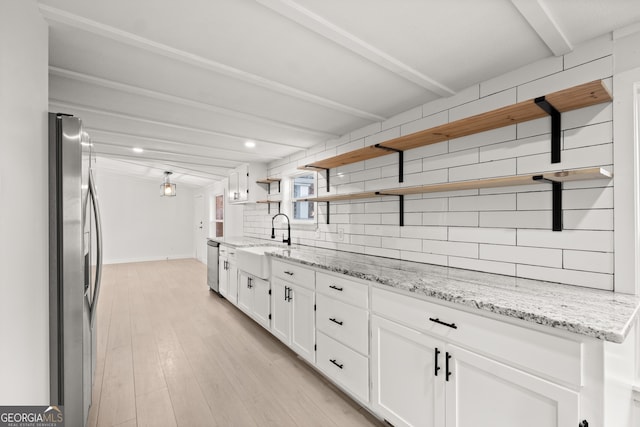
509, 181
269, 203
268, 180
565, 100
554, 178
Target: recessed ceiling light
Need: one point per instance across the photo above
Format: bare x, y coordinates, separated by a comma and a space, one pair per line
249, 144
137, 150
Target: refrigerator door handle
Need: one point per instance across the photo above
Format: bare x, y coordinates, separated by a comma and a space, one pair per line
96, 212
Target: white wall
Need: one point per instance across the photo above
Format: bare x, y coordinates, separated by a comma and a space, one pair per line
502, 230
24, 214
138, 224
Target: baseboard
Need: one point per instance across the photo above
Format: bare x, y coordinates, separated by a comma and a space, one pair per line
146, 259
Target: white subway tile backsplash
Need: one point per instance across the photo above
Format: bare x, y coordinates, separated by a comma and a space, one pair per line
382, 230
503, 230
461, 249
592, 115
572, 277
597, 219
424, 257
402, 118
461, 219
482, 265
495, 168
465, 157
499, 236
462, 97
426, 205
538, 69
414, 245
598, 69
594, 49
516, 148
365, 131
522, 255
588, 135
421, 232
499, 202
425, 123
482, 105
568, 239
383, 252
599, 262
383, 136
353, 145
364, 240
489, 137
597, 155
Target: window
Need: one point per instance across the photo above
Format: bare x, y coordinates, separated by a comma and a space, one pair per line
303, 186
218, 217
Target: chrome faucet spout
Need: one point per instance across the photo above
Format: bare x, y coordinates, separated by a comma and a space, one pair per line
273, 229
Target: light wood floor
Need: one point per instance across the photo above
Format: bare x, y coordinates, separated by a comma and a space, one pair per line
172, 353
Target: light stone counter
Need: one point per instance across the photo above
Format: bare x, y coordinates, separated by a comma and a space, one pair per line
246, 242
595, 313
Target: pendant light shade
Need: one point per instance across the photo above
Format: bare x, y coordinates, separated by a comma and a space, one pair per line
167, 189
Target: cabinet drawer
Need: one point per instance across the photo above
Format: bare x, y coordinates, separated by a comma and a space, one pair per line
532, 350
343, 289
343, 365
227, 251
347, 324
297, 274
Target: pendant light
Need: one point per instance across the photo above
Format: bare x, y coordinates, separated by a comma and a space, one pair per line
167, 189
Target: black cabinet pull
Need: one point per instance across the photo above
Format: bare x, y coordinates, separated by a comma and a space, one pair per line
440, 322
336, 288
336, 363
249, 280
437, 368
289, 297
286, 291
448, 372
288, 273
339, 322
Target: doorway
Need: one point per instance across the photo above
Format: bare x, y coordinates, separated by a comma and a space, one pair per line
199, 236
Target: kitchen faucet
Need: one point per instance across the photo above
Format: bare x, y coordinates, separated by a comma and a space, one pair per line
273, 230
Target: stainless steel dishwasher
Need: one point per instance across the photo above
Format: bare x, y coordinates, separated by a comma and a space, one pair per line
212, 265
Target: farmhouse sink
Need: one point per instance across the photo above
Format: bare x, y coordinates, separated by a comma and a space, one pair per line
253, 261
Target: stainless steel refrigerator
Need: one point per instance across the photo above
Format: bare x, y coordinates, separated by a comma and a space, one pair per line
75, 267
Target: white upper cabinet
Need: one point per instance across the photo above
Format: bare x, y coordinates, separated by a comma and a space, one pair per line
242, 183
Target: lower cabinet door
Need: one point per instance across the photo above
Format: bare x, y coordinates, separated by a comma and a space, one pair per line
484, 392
280, 311
223, 277
261, 302
233, 282
344, 366
245, 293
303, 326
406, 390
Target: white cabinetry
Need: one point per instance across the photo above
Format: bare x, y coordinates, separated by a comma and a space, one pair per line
342, 319
228, 272
242, 183
254, 298
292, 302
450, 368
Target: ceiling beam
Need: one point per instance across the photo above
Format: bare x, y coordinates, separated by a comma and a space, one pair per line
160, 96
53, 14
314, 22
540, 19
163, 166
70, 107
202, 167
209, 161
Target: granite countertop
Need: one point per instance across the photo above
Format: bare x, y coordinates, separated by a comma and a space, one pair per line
595, 313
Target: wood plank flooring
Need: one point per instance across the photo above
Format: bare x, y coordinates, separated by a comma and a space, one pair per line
171, 353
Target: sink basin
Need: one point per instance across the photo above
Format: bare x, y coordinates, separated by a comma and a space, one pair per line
253, 261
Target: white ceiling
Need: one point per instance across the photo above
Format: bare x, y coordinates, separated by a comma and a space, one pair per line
190, 81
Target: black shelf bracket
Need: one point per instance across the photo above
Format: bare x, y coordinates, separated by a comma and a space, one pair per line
556, 127
400, 201
400, 160
269, 207
322, 169
327, 212
556, 188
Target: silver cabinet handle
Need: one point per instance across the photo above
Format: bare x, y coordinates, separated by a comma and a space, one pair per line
96, 212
